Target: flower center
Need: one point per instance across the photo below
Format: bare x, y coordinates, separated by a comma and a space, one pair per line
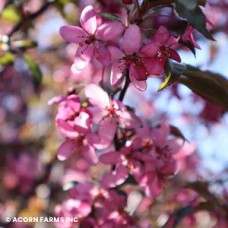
163, 54
134, 59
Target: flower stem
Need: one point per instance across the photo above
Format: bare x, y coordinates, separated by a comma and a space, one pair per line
124, 90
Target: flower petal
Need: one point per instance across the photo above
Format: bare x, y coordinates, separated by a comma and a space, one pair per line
161, 36
110, 158
140, 85
73, 34
132, 40
154, 67
83, 56
88, 19
109, 31
149, 50
97, 96
138, 72
115, 177
89, 154
174, 55
116, 75
102, 54
66, 150
82, 122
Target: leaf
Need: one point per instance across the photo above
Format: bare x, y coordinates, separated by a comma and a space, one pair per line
190, 10
35, 71
174, 72
152, 10
212, 87
11, 14
110, 16
177, 132
6, 59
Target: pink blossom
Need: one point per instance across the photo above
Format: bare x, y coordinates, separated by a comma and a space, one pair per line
161, 50
188, 36
91, 38
72, 119
131, 57
109, 114
144, 61
96, 206
149, 159
82, 144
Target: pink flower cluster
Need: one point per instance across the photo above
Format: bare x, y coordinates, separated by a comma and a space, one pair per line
147, 157
91, 125
100, 130
121, 48
96, 207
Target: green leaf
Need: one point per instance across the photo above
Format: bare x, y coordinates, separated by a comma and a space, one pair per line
213, 87
7, 59
11, 14
174, 72
35, 71
190, 10
110, 16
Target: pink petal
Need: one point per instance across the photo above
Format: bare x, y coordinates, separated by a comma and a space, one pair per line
82, 122
97, 96
140, 85
83, 56
111, 158
129, 120
88, 19
154, 67
138, 72
109, 31
66, 129
161, 36
174, 55
73, 102
73, 34
66, 150
115, 178
132, 40
116, 74
116, 53
89, 154
149, 50
102, 54
106, 132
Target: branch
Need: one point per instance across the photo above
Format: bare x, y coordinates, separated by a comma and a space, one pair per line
124, 90
33, 16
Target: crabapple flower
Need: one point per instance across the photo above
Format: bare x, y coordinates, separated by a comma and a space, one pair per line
109, 113
95, 207
142, 61
131, 57
149, 159
82, 144
72, 119
161, 48
91, 38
